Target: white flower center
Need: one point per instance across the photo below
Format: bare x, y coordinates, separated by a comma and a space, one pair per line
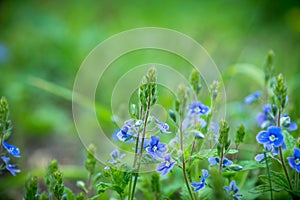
167, 163
197, 110
272, 138
154, 148
297, 161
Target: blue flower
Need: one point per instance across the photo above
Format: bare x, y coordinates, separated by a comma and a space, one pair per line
270, 152
266, 118
116, 156
233, 190
272, 136
163, 127
11, 149
155, 148
294, 161
252, 97
165, 166
10, 167
285, 121
124, 135
200, 185
197, 108
216, 161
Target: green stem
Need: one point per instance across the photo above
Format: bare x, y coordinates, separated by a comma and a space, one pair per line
135, 153
281, 156
296, 181
269, 176
183, 161
221, 159
284, 168
142, 145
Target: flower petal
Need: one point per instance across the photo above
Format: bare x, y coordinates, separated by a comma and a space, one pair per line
259, 157
154, 140
292, 127
213, 160
11, 149
262, 137
297, 153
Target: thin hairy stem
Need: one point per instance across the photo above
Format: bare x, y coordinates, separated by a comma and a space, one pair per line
221, 159
284, 168
282, 158
142, 145
135, 153
269, 176
296, 181
183, 161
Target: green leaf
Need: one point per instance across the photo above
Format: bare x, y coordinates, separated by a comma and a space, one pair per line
206, 193
103, 187
68, 194
278, 181
251, 164
260, 189
232, 151
290, 142
31, 189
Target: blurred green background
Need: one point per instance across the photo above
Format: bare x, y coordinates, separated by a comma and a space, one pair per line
48, 40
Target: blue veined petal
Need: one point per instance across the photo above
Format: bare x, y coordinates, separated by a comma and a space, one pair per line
11, 149
262, 137
165, 166
10, 167
279, 140
296, 153
168, 158
162, 147
5, 159
198, 186
237, 196
227, 188
277, 132
205, 173
233, 190
161, 166
292, 127
259, 157
167, 169
163, 127
233, 187
197, 108
227, 162
213, 160
154, 141
294, 164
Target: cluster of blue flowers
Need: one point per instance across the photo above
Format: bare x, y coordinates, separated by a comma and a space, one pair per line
9, 149
267, 118
14, 151
273, 138
216, 161
152, 146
